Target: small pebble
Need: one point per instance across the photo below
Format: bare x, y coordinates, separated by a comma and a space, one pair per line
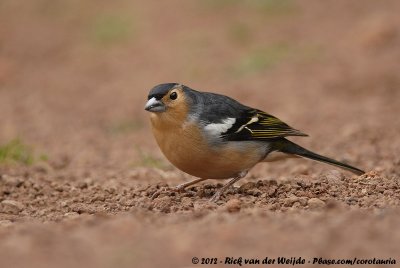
233, 205
246, 187
186, 202
316, 203
364, 191
11, 206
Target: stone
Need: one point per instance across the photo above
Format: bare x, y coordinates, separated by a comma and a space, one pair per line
315, 203
11, 206
233, 205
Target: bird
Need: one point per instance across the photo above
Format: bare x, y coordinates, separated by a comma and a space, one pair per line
213, 136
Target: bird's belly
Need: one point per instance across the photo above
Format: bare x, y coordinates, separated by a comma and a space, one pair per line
187, 149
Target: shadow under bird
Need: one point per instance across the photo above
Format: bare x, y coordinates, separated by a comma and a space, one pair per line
212, 136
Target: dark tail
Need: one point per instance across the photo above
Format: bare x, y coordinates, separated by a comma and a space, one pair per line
286, 146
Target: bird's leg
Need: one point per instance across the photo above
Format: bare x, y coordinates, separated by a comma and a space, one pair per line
217, 195
182, 186
178, 188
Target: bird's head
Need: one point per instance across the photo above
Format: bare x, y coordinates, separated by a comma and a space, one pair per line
166, 97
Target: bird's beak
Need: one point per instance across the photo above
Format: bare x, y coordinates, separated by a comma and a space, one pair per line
154, 105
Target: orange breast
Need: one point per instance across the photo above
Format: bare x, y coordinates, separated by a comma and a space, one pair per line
185, 147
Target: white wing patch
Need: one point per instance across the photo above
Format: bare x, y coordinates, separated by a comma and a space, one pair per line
219, 128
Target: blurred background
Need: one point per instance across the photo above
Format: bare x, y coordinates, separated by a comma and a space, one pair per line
77, 153
74, 75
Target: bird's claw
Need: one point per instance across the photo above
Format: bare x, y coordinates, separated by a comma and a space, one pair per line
179, 188
215, 197
158, 192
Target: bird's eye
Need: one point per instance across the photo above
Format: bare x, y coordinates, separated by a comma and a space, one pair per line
173, 96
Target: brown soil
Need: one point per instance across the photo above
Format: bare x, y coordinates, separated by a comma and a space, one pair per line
73, 81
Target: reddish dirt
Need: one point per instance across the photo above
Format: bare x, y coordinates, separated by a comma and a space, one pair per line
73, 82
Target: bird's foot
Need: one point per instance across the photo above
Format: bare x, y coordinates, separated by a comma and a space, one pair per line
179, 188
159, 191
215, 197
218, 194
182, 186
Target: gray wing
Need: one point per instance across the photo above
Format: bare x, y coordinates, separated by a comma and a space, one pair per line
211, 108
231, 120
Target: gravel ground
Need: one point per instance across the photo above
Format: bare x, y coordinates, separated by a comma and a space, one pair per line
83, 183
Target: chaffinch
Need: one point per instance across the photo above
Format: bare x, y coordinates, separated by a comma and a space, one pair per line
212, 136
